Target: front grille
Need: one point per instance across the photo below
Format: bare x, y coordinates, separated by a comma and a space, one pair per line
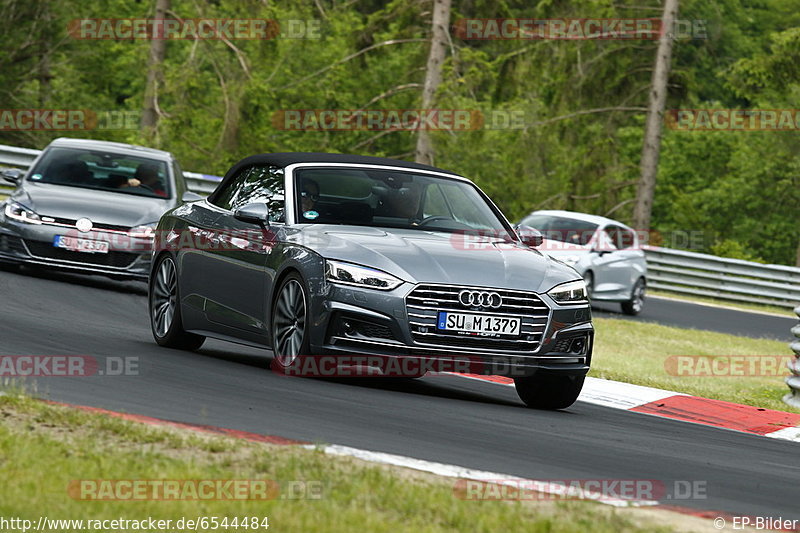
45, 250
96, 226
424, 303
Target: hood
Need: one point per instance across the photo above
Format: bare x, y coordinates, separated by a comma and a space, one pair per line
103, 207
438, 257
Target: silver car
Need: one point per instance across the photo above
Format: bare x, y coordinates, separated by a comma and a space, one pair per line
336, 261
607, 253
90, 206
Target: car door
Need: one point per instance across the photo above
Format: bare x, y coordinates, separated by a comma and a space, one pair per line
238, 251
609, 263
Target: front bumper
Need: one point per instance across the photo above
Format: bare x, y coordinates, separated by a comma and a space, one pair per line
32, 244
365, 322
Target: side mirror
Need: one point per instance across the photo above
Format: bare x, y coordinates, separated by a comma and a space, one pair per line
255, 213
190, 196
529, 236
12, 175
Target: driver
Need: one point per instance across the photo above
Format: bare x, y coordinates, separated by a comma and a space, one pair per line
147, 176
404, 203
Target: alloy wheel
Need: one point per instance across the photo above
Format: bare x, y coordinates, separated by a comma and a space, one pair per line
165, 297
289, 323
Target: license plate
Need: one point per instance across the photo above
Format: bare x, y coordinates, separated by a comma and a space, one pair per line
466, 323
75, 244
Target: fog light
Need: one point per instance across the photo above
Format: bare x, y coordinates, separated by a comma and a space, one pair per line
578, 345
348, 328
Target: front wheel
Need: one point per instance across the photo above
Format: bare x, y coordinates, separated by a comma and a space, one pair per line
290, 338
635, 305
165, 309
549, 391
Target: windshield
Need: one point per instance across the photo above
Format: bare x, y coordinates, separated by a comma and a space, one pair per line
392, 199
104, 171
563, 229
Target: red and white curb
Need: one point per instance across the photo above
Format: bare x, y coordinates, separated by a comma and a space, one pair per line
679, 406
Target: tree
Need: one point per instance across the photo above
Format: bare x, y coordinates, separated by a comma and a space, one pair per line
433, 74
655, 113
158, 48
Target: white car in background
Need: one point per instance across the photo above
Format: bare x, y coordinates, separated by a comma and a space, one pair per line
607, 253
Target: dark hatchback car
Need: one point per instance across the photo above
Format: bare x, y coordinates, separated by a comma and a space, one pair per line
90, 206
335, 255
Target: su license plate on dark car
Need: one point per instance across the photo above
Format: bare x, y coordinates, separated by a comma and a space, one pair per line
466, 323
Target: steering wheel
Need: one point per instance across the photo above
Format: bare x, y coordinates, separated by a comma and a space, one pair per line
433, 218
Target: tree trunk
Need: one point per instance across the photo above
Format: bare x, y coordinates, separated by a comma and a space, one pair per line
158, 47
433, 74
655, 113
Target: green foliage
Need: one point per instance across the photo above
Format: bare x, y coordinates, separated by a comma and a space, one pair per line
580, 102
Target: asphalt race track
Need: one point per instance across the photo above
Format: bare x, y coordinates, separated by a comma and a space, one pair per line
694, 316
445, 419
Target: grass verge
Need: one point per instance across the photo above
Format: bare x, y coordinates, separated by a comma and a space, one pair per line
637, 352
44, 447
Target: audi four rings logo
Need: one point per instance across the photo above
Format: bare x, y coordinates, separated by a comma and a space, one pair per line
480, 299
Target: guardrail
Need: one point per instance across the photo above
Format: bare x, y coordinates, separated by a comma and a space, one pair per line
15, 156
793, 381
722, 278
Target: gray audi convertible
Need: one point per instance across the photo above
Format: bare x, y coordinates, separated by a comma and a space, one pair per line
335, 260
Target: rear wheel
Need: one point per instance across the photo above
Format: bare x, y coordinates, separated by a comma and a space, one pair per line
290, 338
165, 311
635, 305
549, 391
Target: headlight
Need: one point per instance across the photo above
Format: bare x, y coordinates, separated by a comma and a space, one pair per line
21, 213
142, 232
569, 293
360, 276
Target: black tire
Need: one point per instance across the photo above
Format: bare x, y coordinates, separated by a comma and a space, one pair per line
549, 391
289, 323
165, 312
588, 278
635, 305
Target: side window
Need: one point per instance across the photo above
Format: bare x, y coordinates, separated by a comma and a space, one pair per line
607, 239
255, 184
625, 239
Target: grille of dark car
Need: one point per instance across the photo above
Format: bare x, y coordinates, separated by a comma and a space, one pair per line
424, 303
46, 250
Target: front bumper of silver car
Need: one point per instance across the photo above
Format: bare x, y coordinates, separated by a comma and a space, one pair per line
33, 244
